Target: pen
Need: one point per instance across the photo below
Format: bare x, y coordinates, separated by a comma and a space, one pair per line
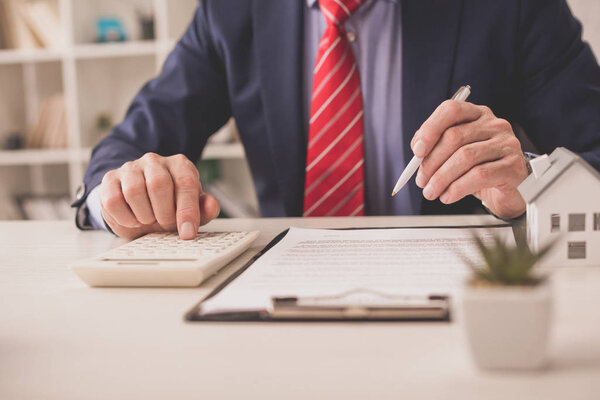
461, 95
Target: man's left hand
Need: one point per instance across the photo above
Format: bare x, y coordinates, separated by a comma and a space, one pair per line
468, 150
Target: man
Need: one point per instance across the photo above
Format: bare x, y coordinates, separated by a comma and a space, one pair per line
332, 99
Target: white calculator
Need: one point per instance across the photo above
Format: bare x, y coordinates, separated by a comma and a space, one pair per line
162, 259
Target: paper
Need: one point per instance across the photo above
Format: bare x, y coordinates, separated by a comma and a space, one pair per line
316, 262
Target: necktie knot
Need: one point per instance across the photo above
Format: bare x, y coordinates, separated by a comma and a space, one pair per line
336, 12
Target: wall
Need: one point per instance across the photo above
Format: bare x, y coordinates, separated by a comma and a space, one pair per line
588, 12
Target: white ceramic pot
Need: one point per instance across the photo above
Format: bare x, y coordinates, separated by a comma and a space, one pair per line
508, 327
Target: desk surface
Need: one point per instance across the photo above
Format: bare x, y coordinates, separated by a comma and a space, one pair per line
62, 340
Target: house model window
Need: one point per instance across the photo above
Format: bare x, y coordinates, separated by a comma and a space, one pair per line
562, 195
555, 222
576, 250
576, 222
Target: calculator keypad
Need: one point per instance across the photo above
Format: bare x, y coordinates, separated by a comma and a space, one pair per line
168, 246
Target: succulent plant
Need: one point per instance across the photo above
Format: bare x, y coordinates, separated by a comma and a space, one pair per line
504, 264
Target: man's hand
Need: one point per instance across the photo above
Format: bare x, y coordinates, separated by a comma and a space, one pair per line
156, 194
467, 150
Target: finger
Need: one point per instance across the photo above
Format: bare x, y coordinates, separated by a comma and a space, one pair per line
449, 113
452, 139
109, 220
210, 208
459, 163
130, 233
113, 202
159, 185
133, 186
119, 230
495, 174
187, 194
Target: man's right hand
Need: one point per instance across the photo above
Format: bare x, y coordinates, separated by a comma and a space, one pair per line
156, 194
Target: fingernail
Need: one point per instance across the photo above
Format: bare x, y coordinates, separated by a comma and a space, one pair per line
415, 137
420, 179
187, 230
444, 198
428, 192
419, 148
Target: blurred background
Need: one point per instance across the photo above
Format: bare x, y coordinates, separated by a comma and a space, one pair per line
68, 71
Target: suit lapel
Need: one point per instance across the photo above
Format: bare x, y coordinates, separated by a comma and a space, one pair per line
429, 34
278, 39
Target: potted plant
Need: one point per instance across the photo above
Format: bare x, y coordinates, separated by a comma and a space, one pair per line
507, 307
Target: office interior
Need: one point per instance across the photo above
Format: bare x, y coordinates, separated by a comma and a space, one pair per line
40, 169
43, 160
69, 70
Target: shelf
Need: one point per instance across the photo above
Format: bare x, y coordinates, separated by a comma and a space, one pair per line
37, 156
211, 152
214, 151
21, 56
83, 52
115, 50
95, 78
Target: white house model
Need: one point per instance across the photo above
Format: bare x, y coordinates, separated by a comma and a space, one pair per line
563, 201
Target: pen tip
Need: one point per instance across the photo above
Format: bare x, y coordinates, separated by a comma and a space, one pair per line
394, 193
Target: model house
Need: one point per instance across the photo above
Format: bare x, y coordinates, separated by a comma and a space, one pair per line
563, 203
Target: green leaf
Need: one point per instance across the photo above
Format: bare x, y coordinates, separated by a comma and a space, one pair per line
505, 264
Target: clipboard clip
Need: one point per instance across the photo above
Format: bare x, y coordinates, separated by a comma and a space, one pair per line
361, 304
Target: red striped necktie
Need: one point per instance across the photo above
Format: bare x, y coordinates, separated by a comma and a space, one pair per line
334, 184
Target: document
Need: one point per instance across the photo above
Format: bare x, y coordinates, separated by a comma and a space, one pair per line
318, 262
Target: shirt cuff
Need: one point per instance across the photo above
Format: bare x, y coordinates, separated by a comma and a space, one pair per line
95, 211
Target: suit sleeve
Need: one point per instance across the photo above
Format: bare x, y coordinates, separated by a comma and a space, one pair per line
560, 81
174, 113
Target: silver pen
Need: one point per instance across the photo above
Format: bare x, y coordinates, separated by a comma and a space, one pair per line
461, 95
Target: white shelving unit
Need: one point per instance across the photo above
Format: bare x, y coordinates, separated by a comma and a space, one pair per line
94, 78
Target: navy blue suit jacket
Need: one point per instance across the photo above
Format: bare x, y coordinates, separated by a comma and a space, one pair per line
243, 58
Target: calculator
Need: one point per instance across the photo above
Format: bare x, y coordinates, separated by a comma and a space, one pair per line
164, 260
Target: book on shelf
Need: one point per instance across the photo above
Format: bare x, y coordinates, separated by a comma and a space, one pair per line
30, 24
2, 45
42, 19
14, 30
10, 209
45, 207
50, 132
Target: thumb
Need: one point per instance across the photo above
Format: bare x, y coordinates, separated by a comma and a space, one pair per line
210, 208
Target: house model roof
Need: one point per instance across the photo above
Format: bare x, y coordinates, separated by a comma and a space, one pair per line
561, 160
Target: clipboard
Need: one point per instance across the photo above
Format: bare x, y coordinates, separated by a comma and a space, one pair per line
342, 307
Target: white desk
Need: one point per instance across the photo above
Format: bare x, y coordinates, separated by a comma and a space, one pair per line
62, 340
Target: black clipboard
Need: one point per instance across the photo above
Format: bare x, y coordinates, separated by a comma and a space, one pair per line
436, 307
